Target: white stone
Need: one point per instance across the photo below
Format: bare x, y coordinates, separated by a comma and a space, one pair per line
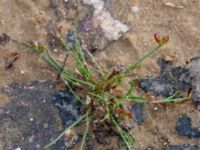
22, 72
31, 119
111, 27
134, 9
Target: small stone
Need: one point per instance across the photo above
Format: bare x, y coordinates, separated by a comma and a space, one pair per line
38, 146
70, 138
168, 58
3, 22
55, 50
155, 108
134, 9
31, 138
100, 28
88, 99
18, 148
22, 72
192, 76
169, 4
42, 12
31, 119
31, 87
46, 125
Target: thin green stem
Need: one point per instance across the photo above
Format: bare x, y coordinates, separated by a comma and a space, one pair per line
71, 126
74, 93
86, 131
175, 100
95, 63
22, 42
139, 61
136, 99
73, 79
128, 139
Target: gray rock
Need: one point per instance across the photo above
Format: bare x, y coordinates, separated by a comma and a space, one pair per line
168, 82
193, 76
98, 28
174, 79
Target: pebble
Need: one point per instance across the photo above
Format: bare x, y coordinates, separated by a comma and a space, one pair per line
55, 50
168, 58
31, 139
18, 148
31, 119
38, 146
22, 72
3, 22
134, 9
155, 108
169, 4
42, 12
46, 125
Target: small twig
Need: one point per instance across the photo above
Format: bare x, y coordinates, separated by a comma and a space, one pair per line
61, 70
12, 58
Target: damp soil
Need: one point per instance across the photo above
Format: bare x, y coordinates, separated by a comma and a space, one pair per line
23, 121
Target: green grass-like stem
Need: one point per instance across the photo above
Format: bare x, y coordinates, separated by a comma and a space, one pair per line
100, 85
175, 100
63, 133
139, 61
86, 131
128, 139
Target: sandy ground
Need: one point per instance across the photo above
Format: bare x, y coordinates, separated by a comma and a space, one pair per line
32, 20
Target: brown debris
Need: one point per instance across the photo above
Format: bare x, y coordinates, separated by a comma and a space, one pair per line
4, 38
12, 58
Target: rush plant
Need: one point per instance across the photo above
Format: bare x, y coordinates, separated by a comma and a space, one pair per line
99, 91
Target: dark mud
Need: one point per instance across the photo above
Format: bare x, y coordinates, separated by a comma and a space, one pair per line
184, 127
138, 113
31, 120
175, 79
69, 108
181, 147
177, 147
4, 38
38, 113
